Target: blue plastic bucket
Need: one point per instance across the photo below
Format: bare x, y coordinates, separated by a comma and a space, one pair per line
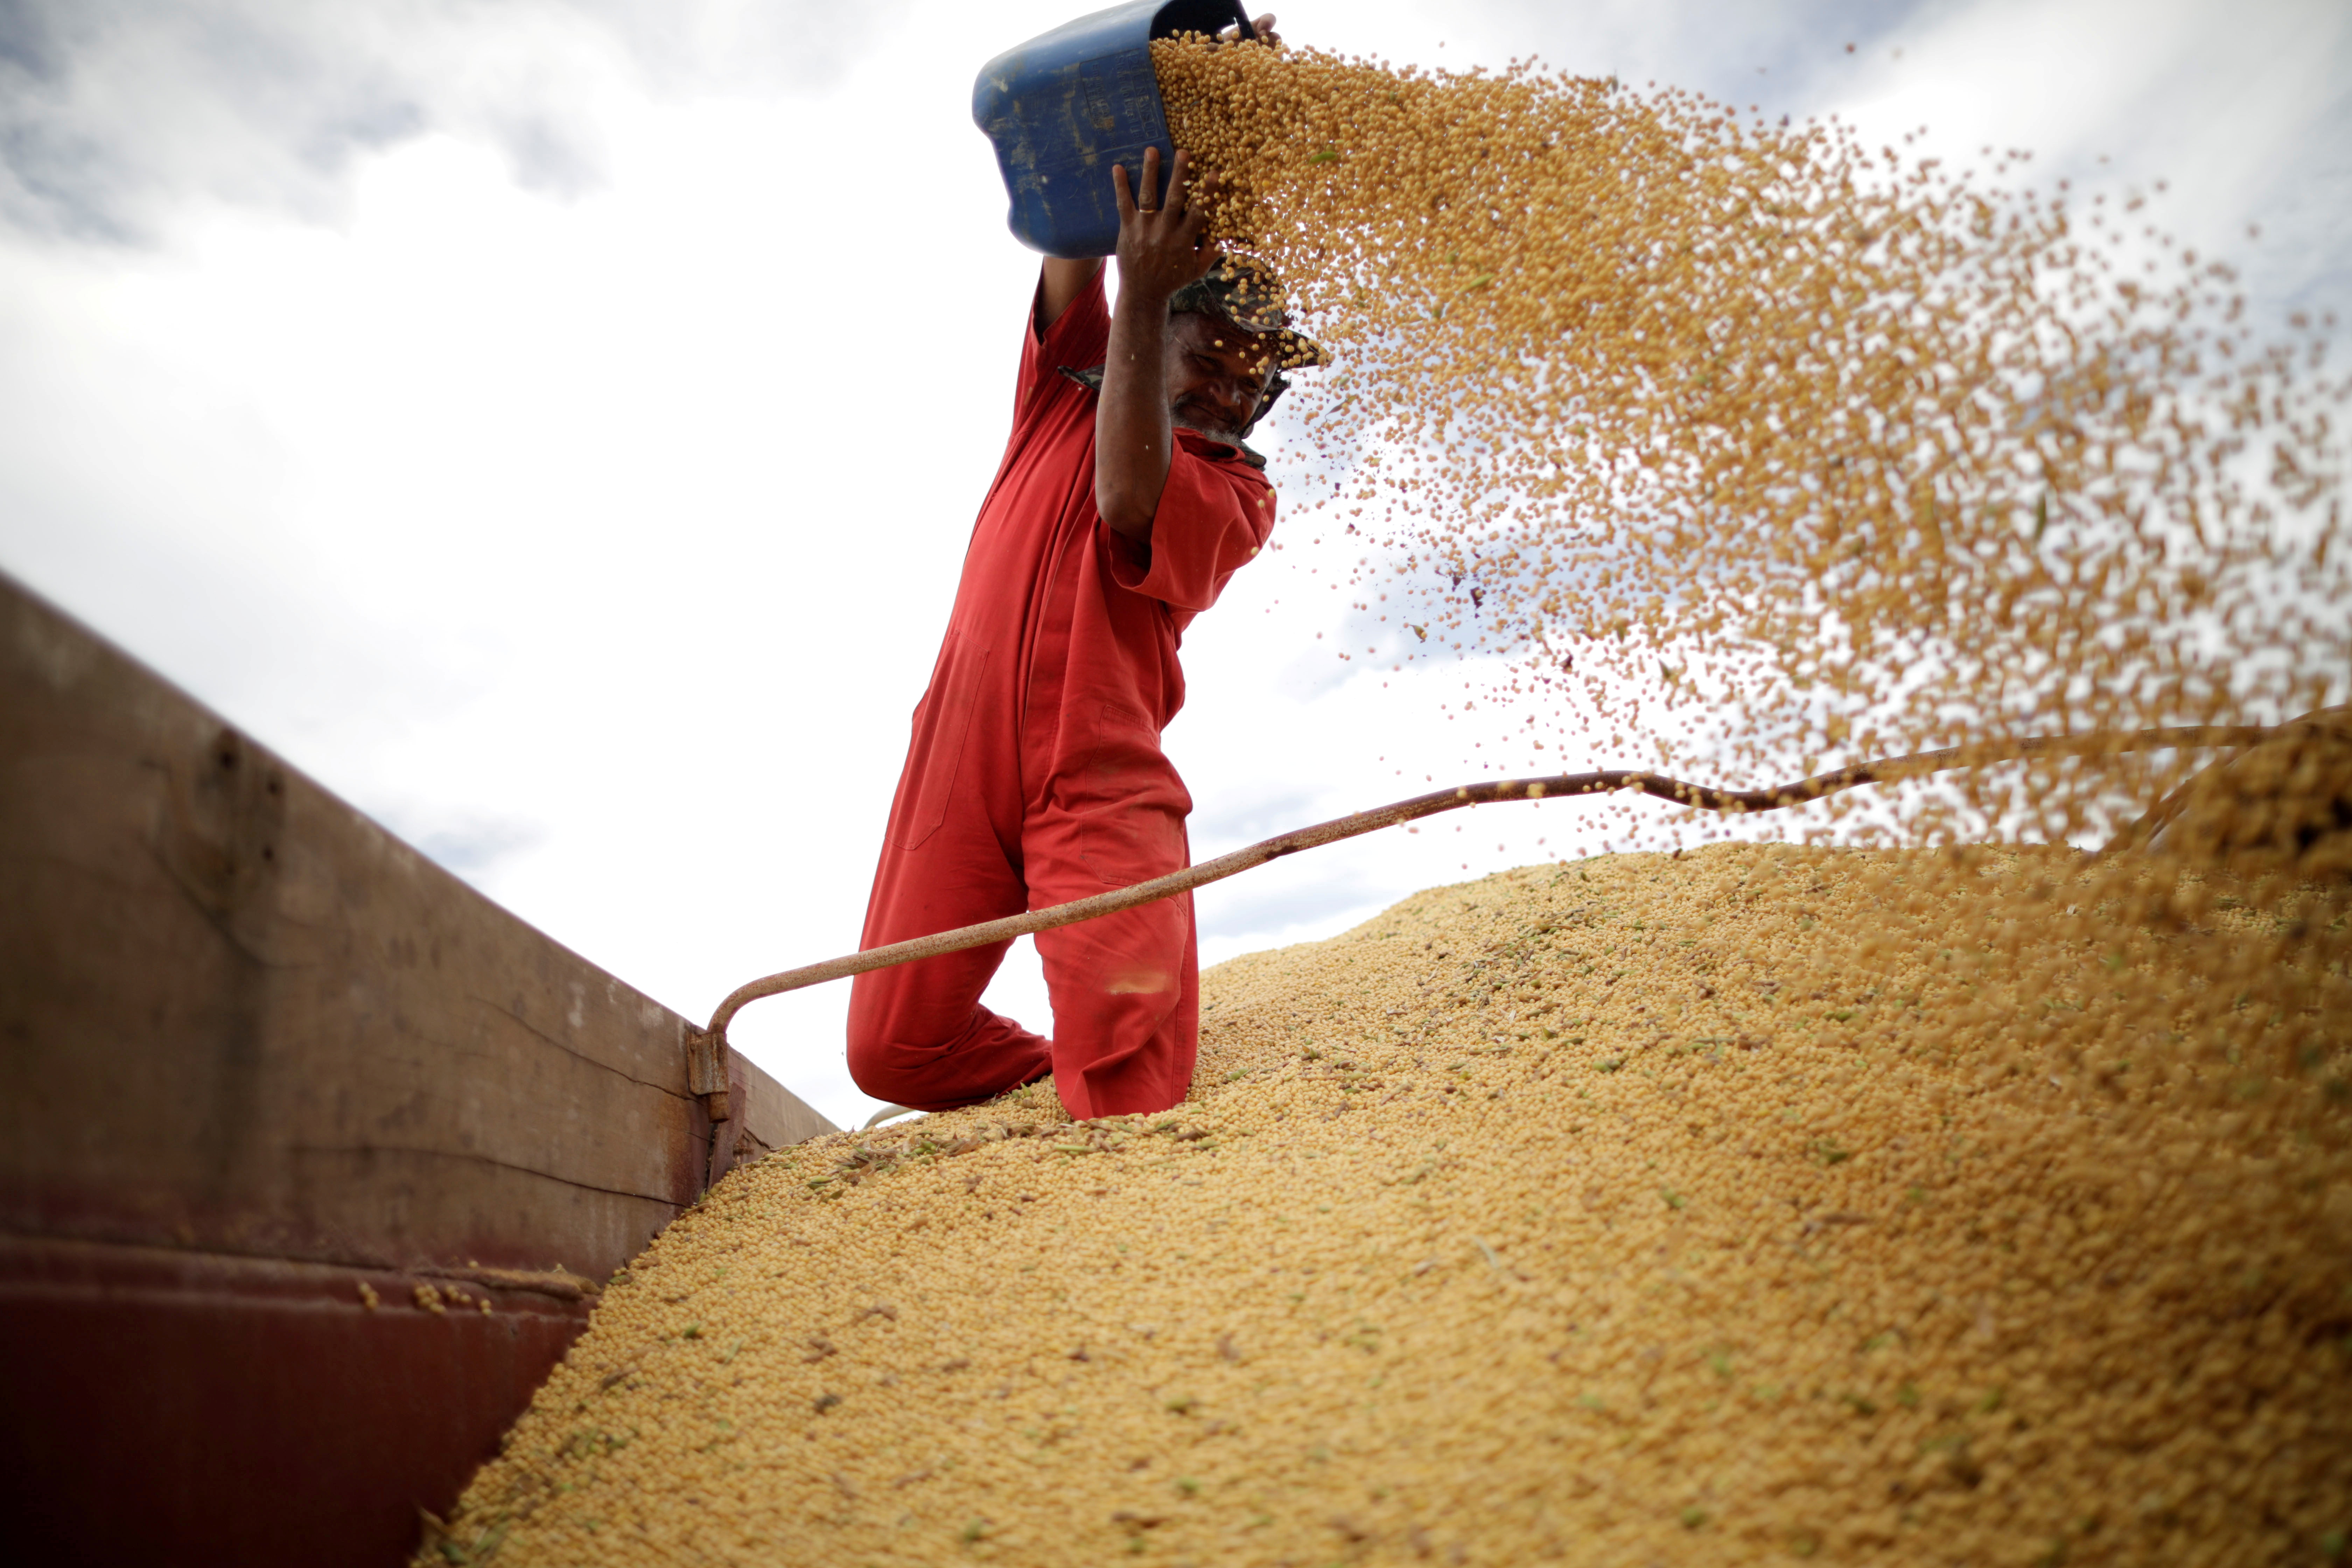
1067, 105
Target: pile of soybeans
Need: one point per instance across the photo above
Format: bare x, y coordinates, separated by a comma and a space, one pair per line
1754, 1203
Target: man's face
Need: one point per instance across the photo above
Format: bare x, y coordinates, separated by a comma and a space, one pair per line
1216, 374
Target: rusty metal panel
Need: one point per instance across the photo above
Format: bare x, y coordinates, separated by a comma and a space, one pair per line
240, 1021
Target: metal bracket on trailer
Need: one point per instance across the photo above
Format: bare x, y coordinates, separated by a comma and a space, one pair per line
706, 1072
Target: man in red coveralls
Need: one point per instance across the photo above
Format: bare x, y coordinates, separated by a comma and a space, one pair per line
1125, 501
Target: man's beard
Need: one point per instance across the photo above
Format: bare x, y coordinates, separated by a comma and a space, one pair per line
1192, 416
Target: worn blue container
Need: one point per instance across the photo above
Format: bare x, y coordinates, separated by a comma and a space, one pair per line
1067, 105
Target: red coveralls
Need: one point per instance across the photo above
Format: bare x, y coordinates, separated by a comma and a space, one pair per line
1035, 774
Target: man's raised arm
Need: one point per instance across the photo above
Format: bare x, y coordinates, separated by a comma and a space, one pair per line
1160, 249
1064, 282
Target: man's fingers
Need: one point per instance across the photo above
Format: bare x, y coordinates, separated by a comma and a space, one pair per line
1196, 216
1196, 219
1177, 179
1181, 200
1196, 210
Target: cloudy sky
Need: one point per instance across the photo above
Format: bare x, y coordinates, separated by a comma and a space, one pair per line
555, 424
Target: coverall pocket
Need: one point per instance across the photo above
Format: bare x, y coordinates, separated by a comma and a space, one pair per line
942, 720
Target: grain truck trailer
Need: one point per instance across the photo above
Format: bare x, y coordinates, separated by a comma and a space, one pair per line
313, 1157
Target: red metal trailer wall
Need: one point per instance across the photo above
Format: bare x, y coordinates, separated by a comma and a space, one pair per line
259, 1061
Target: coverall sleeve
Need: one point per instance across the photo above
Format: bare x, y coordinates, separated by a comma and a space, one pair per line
1215, 513
1079, 338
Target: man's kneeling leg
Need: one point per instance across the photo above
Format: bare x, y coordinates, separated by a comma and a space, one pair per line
920, 1037
1126, 991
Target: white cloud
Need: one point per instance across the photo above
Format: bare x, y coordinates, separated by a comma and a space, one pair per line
2242, 111
116, 114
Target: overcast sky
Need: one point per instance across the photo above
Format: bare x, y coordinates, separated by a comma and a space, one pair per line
555, 424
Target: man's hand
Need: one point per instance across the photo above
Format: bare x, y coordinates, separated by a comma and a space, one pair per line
1261, 30
1160, 246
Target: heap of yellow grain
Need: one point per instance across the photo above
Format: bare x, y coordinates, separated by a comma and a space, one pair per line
1751, 1203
